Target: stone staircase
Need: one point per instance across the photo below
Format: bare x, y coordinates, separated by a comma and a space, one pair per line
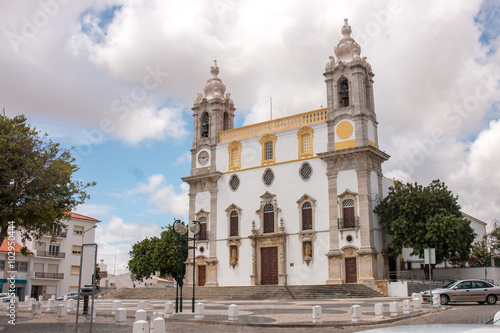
250, 292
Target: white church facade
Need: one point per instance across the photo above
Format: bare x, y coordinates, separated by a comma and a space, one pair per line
290, 201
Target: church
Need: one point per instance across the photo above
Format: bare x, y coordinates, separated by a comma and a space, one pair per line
290, 201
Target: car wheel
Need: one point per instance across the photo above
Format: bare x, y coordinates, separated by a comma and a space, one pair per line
482, 302
491, 299
444, 299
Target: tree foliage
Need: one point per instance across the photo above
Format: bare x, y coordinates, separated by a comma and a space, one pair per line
494, 238
155, 254
36, 186
480, 256
419, 217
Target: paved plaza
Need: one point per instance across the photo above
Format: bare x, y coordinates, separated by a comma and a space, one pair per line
255, 316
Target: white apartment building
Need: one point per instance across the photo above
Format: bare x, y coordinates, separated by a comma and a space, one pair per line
54, 265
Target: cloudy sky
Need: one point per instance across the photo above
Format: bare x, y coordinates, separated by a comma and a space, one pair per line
116, 79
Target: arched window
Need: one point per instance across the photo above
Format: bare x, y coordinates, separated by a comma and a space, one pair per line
268, 148
205, 125
305, 137
306, 216
233, 232
348, 213
344, 93
234, 150
203, 233
268, 218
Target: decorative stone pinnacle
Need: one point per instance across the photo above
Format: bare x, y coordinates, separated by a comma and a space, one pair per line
346, 29
214, 70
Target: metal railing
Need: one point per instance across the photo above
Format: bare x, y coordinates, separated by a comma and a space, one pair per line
348, 224
46, 275
50, 254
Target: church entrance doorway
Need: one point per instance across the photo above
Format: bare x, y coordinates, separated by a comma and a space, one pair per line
350, 270
201, 275
269, 265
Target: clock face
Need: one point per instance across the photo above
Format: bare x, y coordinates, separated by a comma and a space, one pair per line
203, 157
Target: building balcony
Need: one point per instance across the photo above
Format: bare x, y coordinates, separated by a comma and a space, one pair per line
49, 254
352, 223
46, 275
60, 234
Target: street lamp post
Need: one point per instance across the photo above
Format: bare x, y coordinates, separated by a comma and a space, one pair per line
181, 230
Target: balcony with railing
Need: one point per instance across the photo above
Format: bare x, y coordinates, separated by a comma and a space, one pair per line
298, 120
60, 234
351, 223
46, 275
50, 254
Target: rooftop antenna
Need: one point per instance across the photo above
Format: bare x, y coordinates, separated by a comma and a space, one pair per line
271, 106
4, 112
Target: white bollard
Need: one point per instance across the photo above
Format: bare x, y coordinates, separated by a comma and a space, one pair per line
140, 326
436, 300
142, 305
199, 311
393, 308
355, 313
32, 301
232, 312
141, 315
26, 298
13, 305
62, 311
379, 310
71, 303
116, 305
158, 325
169, 310
121, 315
317, 314
53, 297
417, 304
65, 298
36, 309
51, 304
406, 306
40, 298
496, 319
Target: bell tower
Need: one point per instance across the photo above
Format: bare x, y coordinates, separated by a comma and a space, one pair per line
352, 155
213, 112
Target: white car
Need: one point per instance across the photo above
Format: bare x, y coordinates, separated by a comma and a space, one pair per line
465, 291
5, 297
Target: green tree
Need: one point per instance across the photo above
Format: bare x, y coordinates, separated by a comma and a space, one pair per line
480, 256
36, 186
420, 217
155, 254
494, 238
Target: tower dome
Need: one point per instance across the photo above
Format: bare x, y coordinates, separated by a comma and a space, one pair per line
347, 49
214, 88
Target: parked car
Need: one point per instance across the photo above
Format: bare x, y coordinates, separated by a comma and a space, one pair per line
5, 297
465, 291
69, 296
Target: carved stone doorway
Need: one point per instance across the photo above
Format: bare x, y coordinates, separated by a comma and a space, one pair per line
350, 270
269, 265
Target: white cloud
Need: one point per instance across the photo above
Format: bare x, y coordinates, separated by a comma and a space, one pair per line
115, 239
184, 158
164, 196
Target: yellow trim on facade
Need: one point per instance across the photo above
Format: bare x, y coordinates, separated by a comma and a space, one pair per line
267, 165
372, 143
73, 249
306, 130
235, 145
265, 139
298, 120
344, 130
344, 144
81, 226
71, 270
69, 289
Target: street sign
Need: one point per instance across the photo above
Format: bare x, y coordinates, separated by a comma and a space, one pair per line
430, 256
